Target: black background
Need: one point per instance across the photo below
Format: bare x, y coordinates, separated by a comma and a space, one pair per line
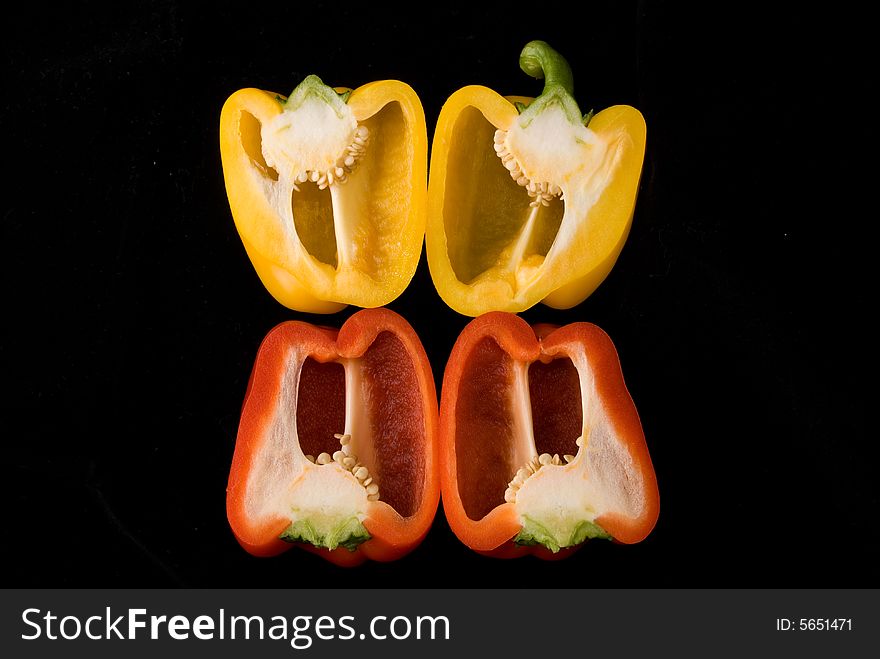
740, 304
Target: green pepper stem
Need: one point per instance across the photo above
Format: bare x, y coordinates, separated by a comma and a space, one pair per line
540, 61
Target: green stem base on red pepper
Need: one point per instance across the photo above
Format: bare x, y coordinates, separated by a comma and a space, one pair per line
348, 533
535, 533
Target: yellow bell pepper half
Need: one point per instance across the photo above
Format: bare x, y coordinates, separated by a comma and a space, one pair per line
328, 190
529, 200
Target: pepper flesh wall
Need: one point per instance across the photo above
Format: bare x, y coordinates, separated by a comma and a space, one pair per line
541, 444
529, 200
336, 448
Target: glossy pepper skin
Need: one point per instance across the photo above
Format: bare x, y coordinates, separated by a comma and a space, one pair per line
356, 242
488, 248
512, 392
371, 378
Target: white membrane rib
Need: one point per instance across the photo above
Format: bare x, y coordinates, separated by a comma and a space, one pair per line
279, 457
611, 475
523, 448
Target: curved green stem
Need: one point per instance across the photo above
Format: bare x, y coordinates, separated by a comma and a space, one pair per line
540, 61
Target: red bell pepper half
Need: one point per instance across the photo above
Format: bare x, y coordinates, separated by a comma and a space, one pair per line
541, 444
336, 449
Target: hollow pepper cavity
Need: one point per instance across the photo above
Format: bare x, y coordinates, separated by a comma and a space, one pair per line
529, 199
336, 449
327, 188
541, 445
